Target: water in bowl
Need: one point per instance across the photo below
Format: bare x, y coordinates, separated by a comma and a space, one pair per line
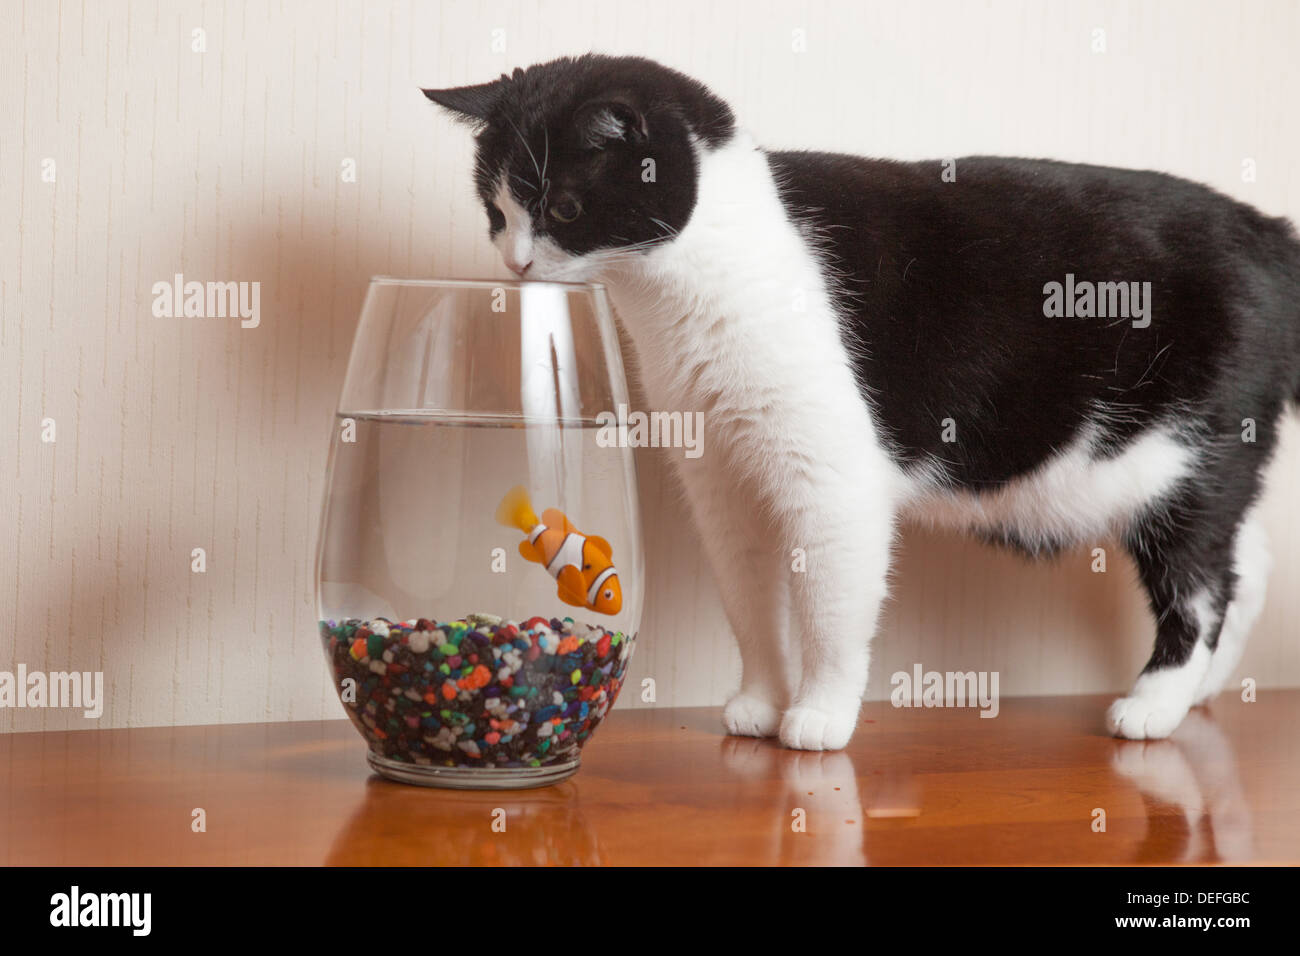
447, 647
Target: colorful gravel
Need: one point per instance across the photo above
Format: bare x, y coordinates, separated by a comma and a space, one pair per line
478, 692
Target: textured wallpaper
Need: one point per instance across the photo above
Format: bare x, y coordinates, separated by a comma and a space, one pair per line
288, 145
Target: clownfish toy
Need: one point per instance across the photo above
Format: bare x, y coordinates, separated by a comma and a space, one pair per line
579, 563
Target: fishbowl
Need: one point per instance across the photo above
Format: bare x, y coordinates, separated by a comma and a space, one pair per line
479, 569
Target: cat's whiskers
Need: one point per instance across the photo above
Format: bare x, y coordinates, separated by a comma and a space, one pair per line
669, 231
632, 249
531, 155
546, 156
628, 253
523, 181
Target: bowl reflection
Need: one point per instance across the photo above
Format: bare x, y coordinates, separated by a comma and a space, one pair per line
396, 825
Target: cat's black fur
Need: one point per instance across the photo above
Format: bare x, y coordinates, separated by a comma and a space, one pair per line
942, 287
943, 284
556, 159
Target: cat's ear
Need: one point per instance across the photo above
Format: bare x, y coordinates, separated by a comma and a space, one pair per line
470, 104
605, 121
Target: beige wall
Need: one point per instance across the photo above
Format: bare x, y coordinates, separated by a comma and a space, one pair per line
225, 165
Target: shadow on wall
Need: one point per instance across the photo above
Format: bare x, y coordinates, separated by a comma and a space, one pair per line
1051, 626
236, 469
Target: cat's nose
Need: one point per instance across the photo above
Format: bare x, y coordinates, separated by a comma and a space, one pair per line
517, 268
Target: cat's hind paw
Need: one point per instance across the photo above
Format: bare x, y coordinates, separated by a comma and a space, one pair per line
811, 728
749, 715
1145, 717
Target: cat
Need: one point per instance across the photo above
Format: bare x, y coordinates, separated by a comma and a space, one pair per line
876, 341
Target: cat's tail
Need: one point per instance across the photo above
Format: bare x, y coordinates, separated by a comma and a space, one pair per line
1295, 381
516, 511
1293, 350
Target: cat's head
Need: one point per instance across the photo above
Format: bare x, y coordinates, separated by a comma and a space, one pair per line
586, 161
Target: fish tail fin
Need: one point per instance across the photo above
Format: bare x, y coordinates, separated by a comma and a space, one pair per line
516, 511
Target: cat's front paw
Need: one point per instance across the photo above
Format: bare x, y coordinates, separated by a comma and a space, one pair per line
1145, 716
751, 715
1211, 685
815, 728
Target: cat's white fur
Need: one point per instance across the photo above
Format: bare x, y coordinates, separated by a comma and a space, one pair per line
734, 318
515, 242
1252, 563
1161, 699
1076, 497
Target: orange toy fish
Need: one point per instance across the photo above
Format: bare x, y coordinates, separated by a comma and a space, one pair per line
579, 563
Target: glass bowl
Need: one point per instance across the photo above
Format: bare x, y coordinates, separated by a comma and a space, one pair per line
479, 568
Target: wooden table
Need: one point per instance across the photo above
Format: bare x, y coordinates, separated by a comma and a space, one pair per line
667, 787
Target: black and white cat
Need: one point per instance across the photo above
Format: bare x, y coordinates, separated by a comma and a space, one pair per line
874, 341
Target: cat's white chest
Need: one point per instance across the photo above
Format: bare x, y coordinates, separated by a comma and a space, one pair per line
734, 318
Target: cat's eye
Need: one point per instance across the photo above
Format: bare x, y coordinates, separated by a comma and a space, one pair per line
566, 210
496, 219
